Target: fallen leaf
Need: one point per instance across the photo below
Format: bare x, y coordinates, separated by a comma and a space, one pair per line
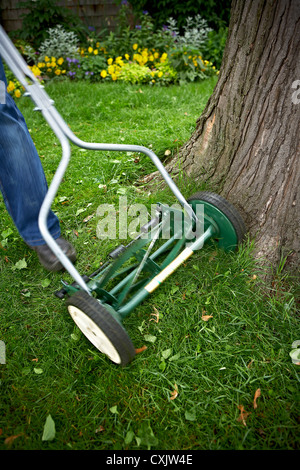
166, 353
100, 429
250, 364
150, 338
45, 282
190, 415
79, 211
156, 315
256, 395
9, 440
89, 217
243, 416
140, 350
206, 317
174, 394
49, 429
20, 264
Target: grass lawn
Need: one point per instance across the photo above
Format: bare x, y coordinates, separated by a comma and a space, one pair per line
196, 385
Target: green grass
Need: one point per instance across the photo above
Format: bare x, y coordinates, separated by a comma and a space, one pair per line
216, 366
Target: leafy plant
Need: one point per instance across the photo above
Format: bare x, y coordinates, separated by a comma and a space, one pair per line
215, 45
60, 43
195, 33
42, 15
189, 64
134, 73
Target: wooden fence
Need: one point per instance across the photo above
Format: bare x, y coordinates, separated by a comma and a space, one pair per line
98, 14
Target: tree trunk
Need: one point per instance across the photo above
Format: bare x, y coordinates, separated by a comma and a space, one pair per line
246, 142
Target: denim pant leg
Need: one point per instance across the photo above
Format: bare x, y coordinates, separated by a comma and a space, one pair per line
22, 179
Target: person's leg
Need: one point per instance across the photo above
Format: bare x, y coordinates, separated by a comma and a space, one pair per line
22, 179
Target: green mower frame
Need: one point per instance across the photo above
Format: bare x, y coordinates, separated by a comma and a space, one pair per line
99, 303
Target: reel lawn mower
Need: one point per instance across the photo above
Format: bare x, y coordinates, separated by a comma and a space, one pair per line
99, 303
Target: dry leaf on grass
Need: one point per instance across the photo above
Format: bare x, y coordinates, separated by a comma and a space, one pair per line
140, 350
156, 315
243, 416
174, 394
206, 317
9, 440
256, 395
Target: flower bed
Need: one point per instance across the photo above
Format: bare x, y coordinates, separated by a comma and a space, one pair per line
136, 56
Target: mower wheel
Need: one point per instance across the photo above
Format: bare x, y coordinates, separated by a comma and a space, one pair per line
101, 328
230, 224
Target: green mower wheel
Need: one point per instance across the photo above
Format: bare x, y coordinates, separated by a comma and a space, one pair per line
230, 224
101, 328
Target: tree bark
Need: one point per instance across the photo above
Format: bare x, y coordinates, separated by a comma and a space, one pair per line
246, 141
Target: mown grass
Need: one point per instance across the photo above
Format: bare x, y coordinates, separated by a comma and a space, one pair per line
187, 390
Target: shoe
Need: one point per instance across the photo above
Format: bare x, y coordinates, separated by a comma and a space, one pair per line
48, 259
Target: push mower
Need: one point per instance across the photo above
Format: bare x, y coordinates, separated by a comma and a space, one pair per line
99, 303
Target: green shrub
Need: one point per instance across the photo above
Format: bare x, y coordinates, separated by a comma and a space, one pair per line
135, 74
60, 43
215, 45
41, 16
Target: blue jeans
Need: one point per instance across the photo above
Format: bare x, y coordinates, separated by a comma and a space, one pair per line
22, 179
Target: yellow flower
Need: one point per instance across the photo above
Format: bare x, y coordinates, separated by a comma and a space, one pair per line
114, 76
63, 71
97, 44
160, 74
17, 93
164, 57
57, 71
111, 69
134, 47
11, 86
47, 59
35, 70
126, 56
96, 51
49, 70
60, 61
109, 61
40, 65
103, 73
53, 64
156, 55
90, 49
53, 59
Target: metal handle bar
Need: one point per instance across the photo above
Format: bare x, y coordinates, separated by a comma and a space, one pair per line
20, 69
